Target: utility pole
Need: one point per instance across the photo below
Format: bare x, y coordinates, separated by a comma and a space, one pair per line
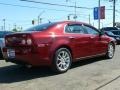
15, 26
9, 27
2, 28
113, 13
4, 24
75, 17
99, 15
89, 19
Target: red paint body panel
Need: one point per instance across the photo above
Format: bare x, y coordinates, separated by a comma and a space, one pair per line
45, 43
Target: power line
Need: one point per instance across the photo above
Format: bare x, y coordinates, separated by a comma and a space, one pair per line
32, 7
53, 4
24, 6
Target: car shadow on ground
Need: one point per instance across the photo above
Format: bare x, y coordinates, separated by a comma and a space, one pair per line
1, 58
17, 73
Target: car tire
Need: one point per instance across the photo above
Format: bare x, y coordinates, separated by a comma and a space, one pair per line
1, 55
110, 51
62, 60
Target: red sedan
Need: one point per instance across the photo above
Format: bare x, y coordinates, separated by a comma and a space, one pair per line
57, 45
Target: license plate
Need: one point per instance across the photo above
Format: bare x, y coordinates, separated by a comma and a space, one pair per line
11, 53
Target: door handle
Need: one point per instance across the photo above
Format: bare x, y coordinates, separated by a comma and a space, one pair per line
71, 37
91, 37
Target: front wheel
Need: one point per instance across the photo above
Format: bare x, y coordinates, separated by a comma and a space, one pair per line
62, 60
110, 51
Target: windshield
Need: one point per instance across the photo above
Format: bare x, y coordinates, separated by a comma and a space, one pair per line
41, 27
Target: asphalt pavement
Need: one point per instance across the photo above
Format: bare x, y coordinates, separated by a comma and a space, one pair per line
91, 74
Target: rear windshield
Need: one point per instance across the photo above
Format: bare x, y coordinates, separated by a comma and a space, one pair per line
41, 27
3, 33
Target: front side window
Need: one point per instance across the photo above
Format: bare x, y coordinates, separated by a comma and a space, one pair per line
74, 28
90, 30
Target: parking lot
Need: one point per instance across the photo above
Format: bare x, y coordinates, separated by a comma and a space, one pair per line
92, 74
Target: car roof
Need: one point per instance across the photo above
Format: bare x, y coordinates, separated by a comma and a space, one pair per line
71, 22
109, 28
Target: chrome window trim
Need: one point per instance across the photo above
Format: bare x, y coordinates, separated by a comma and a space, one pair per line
71, 33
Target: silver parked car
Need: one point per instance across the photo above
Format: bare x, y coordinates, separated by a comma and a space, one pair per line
2, 41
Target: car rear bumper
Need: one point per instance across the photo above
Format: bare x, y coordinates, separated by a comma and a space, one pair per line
26, 56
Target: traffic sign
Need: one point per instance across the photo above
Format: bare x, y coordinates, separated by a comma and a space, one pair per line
95, 13
102, 12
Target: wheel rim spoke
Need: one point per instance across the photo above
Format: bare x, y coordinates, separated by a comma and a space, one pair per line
111, 51
63, 60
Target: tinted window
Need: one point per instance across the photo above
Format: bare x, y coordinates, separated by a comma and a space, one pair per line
90, 30
109, 33
41, 27
75, 28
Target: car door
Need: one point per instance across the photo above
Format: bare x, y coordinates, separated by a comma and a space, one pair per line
98, 43
79, 40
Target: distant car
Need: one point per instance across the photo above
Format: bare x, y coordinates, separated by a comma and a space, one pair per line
2, 40
116, 32
111, 34
57, 45
109, 28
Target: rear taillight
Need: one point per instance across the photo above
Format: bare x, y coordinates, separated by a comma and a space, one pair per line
23, 41
29, 41
26, 41
6, 41
18, 40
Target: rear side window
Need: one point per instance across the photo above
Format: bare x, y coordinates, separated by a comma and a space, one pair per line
41, 27
91, 30
74, 28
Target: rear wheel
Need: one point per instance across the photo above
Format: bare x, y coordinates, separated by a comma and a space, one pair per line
110, 51
62, 60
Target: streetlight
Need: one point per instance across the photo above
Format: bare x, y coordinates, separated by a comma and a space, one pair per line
75, 6
88, 16
40, 19
4, 24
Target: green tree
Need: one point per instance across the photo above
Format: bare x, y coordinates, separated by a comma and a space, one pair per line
14, 30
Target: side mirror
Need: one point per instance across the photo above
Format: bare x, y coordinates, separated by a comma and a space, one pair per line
102, 32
